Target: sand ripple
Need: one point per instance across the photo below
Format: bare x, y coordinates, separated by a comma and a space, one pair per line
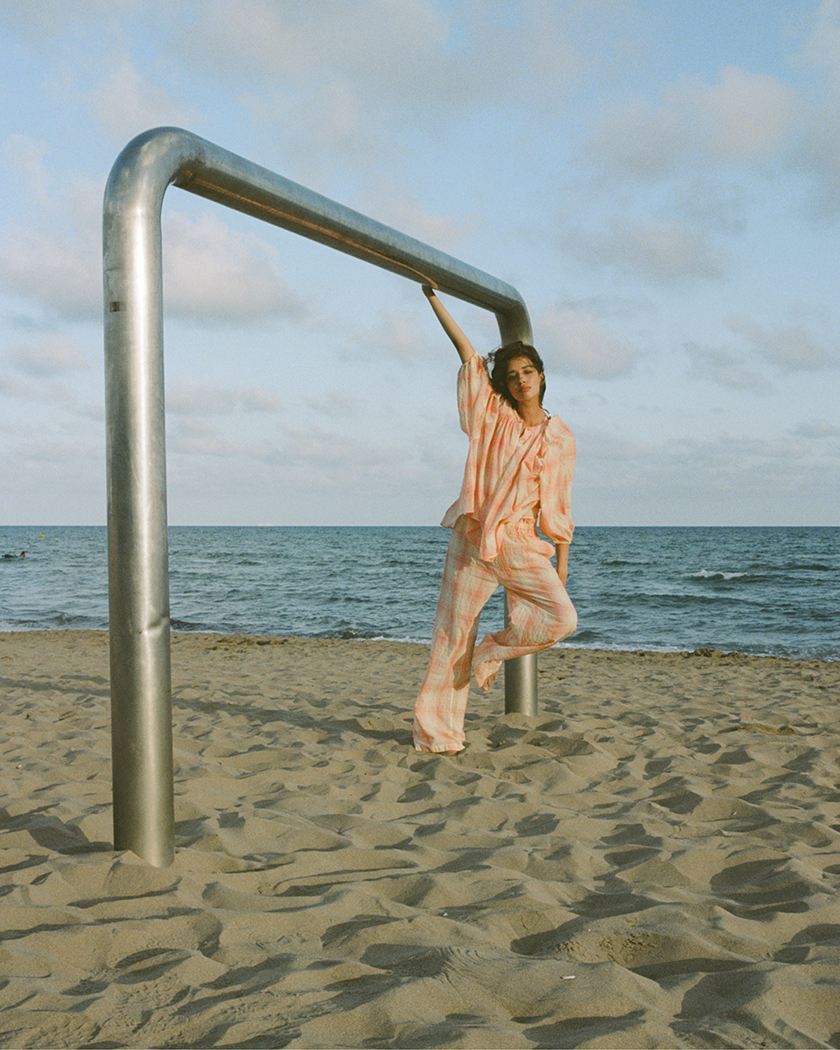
652, 861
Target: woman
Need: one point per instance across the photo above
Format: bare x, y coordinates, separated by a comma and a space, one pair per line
519, 469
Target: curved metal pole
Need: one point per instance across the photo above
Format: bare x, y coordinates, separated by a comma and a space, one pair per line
137, 523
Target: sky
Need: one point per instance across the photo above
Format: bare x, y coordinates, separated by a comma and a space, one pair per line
659, 180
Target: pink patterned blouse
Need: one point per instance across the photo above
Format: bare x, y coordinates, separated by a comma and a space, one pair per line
513, 472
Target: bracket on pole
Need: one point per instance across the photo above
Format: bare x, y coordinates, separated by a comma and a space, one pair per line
141, 703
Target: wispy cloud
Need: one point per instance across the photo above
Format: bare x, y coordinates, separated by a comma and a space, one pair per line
50, 356
791, 347
663, 251
187, 397
583, 346
818, 429
214, 273
126, 102
695, 126
717, 365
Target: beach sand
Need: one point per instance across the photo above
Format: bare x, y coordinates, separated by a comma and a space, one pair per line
652, 861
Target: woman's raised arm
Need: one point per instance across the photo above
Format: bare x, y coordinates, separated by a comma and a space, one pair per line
462, 344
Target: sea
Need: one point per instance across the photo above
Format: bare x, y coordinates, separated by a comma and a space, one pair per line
761, 591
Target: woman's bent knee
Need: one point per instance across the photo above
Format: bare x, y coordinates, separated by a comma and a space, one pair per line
565, 622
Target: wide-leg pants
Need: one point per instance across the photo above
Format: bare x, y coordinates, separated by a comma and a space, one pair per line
540, 614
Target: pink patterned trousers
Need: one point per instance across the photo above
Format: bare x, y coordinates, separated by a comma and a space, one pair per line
540, 614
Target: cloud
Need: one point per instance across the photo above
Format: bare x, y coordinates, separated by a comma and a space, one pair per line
791, 348
377, 44
197, 437
394, 204
186, 397
46, 21
817, 157
636, 139
744, 118
344, 81
820, 145
396, 333
47, 381
582, 346
712, 204
24, 157
214, 273
311, 457
53, 253
819, 429
334, 462
62, 272
721, 479
211, 271
822, 45
663, 251
337, 404
722, 367
52, 356
329, 83
308, 474
611, 305
415, 51
124, 103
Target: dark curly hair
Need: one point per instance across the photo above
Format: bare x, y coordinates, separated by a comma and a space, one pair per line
497, 366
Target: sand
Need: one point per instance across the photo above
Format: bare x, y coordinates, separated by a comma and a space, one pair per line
652, 861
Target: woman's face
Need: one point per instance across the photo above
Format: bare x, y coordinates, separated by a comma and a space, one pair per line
523, 379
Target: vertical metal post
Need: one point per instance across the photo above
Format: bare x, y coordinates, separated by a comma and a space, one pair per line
138, 569
137, 527
520, 681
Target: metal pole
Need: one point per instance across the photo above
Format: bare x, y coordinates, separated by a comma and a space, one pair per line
137, 525
141, 717
520, 681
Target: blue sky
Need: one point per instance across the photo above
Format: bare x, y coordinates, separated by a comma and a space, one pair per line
660, 181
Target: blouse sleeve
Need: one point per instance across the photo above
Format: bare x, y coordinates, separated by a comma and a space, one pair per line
556, 469
475, 394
